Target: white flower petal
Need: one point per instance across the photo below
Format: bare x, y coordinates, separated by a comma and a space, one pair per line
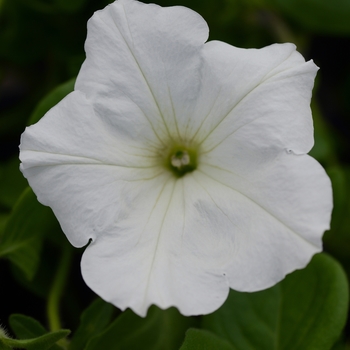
268, 90
173, 257
155, 52
78, 164
281, 210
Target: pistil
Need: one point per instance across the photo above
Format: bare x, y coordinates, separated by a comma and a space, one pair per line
182, 160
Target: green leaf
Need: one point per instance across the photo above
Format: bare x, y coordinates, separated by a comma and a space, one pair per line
323, 16
3, 221
3, 346
337, 240
25, 327
43, 342
21, 240
198, 339
51, 100
3, 335
340, 345
324, 146
306, 311
93, 321
161, 329
12, 183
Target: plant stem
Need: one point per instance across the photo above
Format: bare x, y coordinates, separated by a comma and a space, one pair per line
57, 289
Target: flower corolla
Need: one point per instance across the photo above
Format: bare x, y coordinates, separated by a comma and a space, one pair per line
183, 162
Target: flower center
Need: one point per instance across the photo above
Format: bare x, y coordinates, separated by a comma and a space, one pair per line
182, 160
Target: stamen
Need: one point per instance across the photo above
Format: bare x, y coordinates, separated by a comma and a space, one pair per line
180, 159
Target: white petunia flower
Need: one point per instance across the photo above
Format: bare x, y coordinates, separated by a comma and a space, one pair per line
184, 162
